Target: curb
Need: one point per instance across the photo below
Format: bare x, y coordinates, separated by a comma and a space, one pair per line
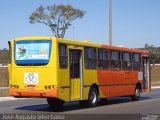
4, 88
10, 98
155, 87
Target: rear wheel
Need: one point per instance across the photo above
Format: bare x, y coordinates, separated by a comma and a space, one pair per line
55, 103
92, 99
136, 95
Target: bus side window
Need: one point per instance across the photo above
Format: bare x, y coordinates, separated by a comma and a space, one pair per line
63, 57
90, 58
115, 60
136, 61
103, 59
126, 61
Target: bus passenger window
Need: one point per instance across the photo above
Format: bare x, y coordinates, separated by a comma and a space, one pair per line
103, 59
126, 63
136, 61
63, 59
90, 57
116, 60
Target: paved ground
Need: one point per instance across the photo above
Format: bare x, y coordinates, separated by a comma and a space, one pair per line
149, 103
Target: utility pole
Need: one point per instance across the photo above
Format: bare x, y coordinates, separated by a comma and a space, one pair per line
110, 22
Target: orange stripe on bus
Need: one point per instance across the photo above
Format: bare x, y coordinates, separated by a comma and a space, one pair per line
33, 93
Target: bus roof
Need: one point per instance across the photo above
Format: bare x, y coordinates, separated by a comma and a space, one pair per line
83, 43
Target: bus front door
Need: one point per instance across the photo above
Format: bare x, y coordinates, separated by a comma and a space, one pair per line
75, 60
146, 74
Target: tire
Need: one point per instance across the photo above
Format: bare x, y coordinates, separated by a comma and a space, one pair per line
93, 97
55, 103
136, 96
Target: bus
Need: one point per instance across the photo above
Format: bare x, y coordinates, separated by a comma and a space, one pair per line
62, 70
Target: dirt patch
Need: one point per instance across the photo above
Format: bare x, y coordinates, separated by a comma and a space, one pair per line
4, 93
155, 73
4, 77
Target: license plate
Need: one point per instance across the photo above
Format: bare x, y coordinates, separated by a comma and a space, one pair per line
31, 87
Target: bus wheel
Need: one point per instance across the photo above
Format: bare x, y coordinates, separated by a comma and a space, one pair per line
55, 103
93, 97
136, 95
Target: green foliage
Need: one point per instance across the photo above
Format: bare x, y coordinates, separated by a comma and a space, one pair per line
155, 53
57, 17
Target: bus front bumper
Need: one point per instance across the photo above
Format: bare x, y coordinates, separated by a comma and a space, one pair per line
33, 93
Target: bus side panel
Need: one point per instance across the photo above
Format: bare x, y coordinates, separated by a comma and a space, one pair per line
63, 77
63, 84
116, 82
90, 77
137, 78
103, 80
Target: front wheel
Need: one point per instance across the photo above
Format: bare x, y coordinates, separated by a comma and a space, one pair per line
136, 95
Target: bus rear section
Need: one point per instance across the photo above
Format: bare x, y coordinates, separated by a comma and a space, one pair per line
30, 69
64, 70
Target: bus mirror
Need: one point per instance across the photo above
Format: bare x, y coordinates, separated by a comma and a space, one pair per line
9, 56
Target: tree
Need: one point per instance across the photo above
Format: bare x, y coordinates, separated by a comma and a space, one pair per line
57, 17
155, 53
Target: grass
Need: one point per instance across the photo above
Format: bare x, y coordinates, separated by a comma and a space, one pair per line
155, 77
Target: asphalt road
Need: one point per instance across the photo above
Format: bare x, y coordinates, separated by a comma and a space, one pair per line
149, 104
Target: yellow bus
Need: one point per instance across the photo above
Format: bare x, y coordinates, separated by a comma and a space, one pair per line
68, 70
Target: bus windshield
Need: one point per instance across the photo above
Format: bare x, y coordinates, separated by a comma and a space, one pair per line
35, 52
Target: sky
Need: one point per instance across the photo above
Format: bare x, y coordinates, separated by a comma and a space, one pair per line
135, 22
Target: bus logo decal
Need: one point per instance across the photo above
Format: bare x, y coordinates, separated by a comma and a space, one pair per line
31, 78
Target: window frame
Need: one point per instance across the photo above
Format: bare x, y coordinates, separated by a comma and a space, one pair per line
136, 63
118, 61
90, 57
32, 62
128, 63
103, 61
63, 56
